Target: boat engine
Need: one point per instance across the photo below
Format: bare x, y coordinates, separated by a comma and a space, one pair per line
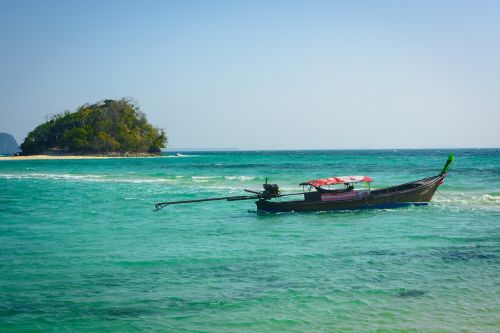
271, 190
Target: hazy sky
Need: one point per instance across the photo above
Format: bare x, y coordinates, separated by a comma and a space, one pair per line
262, 74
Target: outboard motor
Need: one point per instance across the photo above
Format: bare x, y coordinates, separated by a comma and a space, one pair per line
270, 190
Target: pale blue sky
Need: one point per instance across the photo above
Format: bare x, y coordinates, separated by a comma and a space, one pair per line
262, 74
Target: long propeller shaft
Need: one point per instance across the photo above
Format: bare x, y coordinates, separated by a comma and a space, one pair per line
161, 205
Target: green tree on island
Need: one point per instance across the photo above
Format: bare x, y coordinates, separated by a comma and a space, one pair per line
117, 126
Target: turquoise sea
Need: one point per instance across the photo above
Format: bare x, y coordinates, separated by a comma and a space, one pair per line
81, 249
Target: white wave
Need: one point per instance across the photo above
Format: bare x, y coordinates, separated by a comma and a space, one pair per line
467, 199
180, 155
65, 176
222, 189
111, 178
203, 179
48, 176
488, 198
95, 178
140, 181
448, 197
240, 178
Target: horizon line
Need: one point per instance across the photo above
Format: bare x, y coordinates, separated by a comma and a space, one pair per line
318, 149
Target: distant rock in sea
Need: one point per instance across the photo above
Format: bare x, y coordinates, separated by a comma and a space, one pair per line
8, 144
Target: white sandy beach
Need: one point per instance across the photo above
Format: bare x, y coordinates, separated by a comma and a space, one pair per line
63, 157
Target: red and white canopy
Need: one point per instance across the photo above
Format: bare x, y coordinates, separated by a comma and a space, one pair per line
338, 180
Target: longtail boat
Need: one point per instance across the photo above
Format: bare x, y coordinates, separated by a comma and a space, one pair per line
320, 198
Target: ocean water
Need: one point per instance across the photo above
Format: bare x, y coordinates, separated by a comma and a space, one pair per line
81, 249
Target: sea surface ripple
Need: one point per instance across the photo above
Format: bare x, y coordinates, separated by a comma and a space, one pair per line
81, 249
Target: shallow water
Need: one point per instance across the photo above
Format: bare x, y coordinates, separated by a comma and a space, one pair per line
82, 250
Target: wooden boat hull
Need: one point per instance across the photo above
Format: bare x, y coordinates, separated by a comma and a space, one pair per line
419, 192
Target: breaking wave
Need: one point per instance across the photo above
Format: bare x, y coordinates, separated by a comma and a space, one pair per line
203, 179
463, 198
95, 178
49, 176
110, 178
235, 183
180, 155
494, 199
240, 178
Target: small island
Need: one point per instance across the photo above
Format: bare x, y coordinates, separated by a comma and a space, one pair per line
111, 128
8, 144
